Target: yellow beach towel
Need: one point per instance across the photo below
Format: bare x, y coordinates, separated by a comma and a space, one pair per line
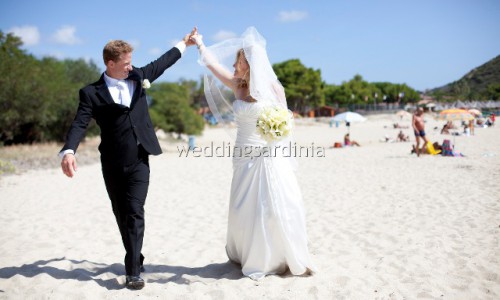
431, 150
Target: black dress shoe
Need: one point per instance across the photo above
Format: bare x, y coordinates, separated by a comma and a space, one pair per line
134, 282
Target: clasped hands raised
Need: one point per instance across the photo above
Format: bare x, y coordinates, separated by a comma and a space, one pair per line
193, 38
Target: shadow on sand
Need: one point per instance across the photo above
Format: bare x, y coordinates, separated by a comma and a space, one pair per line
84, 270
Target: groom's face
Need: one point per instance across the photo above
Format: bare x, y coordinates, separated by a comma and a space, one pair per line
119, 69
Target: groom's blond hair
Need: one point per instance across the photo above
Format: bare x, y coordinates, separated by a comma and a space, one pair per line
114, 49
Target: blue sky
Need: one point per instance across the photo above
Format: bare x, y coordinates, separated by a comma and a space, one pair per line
424, 43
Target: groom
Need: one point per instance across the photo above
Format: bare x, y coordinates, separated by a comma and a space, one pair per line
117, 101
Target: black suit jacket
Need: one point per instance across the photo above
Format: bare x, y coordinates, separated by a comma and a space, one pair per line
122, 128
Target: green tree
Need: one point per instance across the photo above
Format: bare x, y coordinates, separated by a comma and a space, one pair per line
358, 91
18, 87
195, 91
331, 93
170, 109
397, 92
303, 86
63, 96
354, 91
493, 92
38, 98
363, 91
340, 95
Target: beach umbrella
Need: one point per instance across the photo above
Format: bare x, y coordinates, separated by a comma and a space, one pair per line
475, 112
455, 114
349, 117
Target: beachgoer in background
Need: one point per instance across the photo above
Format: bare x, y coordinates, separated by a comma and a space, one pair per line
397, 126
445, 129
348, 142
471, 126
466, 129
402, 137
436, 145
419, 129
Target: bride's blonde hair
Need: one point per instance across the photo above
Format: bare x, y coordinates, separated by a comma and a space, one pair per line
245, 81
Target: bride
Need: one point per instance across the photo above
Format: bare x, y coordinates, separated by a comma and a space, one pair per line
266, 222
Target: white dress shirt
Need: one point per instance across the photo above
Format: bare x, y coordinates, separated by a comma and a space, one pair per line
114, 87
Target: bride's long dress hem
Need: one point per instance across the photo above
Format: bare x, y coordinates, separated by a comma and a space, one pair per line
259, 275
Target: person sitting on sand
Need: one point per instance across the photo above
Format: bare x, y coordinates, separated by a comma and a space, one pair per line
402, 137
348, 142
445, 129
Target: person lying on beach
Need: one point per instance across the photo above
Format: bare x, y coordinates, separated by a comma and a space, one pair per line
397, 126
436, 145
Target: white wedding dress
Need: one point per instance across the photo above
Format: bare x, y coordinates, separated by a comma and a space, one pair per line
266, 224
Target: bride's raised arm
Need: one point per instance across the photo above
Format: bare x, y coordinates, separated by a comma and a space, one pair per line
219, 71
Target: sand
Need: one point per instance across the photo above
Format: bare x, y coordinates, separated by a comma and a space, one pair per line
382, 223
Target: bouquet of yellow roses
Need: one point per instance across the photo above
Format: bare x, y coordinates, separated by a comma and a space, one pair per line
274, 123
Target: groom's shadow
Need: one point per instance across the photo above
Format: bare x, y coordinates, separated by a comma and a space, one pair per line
78, 271
85, 270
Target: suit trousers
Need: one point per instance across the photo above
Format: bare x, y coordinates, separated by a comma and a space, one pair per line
127, 188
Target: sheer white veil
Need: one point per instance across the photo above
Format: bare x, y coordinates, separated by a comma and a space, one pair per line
264, 85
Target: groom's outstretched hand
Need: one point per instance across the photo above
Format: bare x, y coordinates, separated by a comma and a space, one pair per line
187, 37
68, 165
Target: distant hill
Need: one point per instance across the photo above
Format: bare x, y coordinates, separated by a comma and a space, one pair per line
479, 83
